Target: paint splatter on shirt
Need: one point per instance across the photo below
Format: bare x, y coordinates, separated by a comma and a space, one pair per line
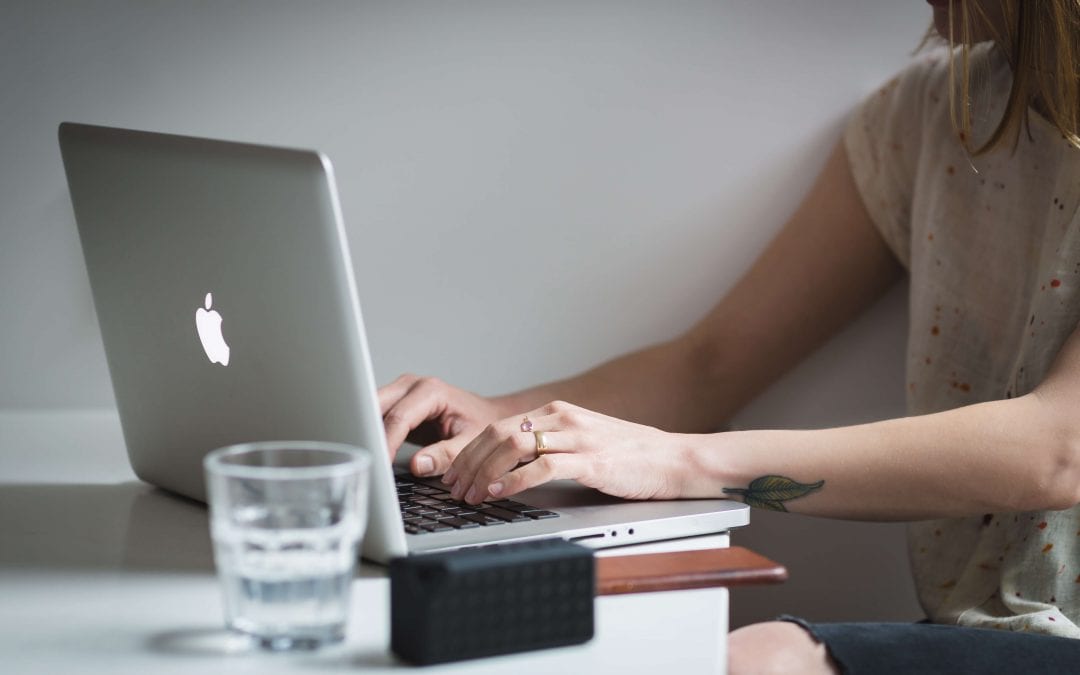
992, 246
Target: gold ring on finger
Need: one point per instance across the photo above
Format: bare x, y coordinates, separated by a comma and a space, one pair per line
541, 443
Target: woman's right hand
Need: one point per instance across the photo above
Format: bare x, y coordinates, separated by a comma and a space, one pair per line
441, 418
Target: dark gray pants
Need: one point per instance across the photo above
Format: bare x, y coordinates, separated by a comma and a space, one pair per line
929, 649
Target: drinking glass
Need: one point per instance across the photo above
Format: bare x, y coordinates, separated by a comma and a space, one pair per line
287, 519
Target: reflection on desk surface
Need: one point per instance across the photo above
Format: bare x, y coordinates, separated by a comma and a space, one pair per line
126, 526
122, 526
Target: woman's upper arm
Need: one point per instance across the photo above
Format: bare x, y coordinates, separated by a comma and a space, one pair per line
826, 265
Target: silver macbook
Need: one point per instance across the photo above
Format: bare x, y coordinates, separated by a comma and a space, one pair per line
225, 293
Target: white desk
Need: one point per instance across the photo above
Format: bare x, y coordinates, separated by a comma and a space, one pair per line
102, 574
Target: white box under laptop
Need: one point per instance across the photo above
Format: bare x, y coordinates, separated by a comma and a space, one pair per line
224, 289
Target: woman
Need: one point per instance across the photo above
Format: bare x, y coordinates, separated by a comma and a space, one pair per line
963, 172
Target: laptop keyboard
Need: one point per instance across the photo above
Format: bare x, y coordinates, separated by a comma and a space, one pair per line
425, 508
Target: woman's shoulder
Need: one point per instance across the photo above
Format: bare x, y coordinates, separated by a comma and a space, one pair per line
914, 104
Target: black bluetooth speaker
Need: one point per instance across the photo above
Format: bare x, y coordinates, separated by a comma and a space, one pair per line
491, 600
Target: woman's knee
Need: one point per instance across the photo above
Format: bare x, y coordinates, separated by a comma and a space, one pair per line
776, 647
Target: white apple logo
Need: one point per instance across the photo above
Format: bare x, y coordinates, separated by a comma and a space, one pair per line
208, 323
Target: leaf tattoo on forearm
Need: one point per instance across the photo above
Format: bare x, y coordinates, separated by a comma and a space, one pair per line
770, 492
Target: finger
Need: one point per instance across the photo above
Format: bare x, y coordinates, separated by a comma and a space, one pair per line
462, 473
547, 423
435, 459
459, 476
546, 468
393, 392
517, 448
419, 404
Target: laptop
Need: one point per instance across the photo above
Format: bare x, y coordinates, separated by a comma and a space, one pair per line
229, 312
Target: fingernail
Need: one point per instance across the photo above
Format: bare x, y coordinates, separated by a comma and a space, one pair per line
424, 465
455, 492
449, 476
495, 489
470, 496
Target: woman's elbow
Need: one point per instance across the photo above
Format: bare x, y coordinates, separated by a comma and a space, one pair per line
1057, 483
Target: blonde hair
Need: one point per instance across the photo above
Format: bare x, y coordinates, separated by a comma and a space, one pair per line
1041, 41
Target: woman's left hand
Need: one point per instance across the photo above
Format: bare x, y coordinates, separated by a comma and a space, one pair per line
619, 458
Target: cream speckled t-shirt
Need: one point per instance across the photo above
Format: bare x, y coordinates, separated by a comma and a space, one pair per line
992, 245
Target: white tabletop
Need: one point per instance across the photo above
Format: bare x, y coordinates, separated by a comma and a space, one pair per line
102, 573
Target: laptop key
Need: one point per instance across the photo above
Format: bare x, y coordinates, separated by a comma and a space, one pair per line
457, 508
539, 514
459, 523
513, 506
482, 518
415, 529
504, 514
438, 527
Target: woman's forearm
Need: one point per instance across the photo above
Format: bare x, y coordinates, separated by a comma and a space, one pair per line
999, 456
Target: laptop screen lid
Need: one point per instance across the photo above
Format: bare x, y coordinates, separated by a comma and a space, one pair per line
225, 295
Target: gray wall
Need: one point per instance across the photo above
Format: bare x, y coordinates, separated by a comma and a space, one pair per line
529, 187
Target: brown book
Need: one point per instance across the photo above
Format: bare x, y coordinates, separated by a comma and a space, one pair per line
735, 566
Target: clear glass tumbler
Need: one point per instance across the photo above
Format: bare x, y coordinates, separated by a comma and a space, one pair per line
287, 519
